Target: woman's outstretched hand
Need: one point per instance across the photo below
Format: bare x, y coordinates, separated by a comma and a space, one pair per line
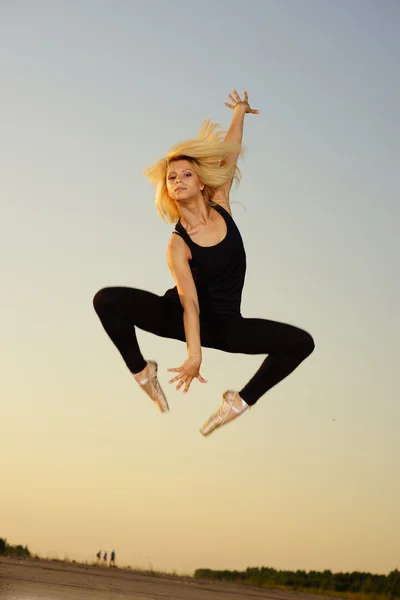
186, 373
238, 102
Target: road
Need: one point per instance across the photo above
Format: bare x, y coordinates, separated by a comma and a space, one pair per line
52, 580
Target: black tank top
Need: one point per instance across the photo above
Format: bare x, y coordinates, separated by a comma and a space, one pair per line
218, 271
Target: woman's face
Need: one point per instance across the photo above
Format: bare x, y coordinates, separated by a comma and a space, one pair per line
182, 181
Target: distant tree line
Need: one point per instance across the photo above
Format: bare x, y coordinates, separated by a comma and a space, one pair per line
366, 583
18, 551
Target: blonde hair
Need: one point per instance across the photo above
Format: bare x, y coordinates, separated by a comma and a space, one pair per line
208, 154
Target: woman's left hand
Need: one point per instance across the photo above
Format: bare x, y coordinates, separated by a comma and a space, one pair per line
187, 372
238, 102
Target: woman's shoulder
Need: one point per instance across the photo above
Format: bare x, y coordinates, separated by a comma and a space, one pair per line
177, 244
180, 232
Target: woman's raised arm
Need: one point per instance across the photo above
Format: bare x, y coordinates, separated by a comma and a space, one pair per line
234, 134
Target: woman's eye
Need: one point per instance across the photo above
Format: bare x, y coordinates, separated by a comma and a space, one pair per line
171, 177
188, 174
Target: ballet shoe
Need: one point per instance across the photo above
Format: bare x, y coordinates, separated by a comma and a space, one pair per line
156, 392
226, 413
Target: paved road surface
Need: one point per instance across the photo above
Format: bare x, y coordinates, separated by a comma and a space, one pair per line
50, 580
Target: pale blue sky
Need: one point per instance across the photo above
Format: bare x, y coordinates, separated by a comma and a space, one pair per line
93, 92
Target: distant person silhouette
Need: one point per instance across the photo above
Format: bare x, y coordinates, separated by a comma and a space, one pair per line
105, 558
112, 559
98, 555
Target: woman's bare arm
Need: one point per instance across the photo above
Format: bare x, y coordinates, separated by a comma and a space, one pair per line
178, 262
234, 134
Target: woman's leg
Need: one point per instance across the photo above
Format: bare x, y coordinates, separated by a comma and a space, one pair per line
286, 346
121, 309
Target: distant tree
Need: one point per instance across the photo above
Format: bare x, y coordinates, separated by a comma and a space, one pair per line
19, 550
3, 546
393, 584
355, 582
326, 580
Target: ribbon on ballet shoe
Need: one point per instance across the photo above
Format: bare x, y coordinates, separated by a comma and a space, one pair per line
219, 418
152, 369
230, 402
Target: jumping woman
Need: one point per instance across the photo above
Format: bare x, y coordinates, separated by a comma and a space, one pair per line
207, 260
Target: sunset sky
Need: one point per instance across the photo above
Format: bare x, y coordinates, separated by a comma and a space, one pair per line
92, 92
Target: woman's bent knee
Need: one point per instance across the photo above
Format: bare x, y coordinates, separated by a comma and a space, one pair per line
308, 344
102, 300
302, 343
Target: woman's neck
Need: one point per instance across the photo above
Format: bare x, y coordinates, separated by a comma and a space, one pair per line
195, 213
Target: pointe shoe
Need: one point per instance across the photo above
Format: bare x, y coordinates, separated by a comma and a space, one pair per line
226, 413
156, 393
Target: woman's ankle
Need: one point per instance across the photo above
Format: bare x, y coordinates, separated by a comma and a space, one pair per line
143, 374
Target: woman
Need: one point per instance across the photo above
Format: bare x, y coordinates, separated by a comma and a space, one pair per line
208, 263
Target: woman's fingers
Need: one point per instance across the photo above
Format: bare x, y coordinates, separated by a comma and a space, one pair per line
180, 384
185, 377
187, 386
176, 370
237, 97
186, 382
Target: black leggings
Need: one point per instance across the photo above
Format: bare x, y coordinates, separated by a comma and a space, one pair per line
120, 309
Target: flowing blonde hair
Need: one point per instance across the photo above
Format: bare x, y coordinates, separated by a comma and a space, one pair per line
208, 154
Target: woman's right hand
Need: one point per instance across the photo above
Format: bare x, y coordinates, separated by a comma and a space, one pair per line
187, 372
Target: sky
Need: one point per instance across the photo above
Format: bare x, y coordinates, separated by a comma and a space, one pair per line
94, 91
